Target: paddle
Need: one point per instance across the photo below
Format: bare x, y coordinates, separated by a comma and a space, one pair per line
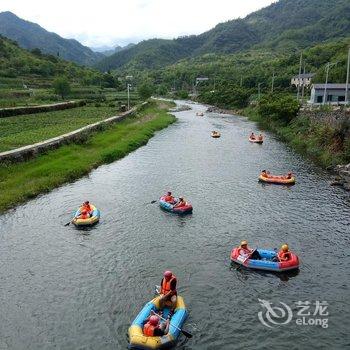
186, 334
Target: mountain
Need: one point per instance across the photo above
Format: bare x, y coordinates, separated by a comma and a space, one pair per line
18, 64
31, 36
284, 25
109, 50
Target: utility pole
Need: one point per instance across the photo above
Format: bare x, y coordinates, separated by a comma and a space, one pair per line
303, 88
128, 86
301, 59
273, 80
328, 66
347, 80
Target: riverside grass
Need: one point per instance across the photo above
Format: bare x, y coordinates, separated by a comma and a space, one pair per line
22, 130
319, 142
22, 181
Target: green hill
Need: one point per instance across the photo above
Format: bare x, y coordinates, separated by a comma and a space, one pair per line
31, 36
285, 25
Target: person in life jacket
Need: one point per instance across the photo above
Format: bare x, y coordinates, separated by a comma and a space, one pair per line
153, 328
84, 215
168, 292
284, 254
169, 198
252, 136
289, 175
87, 207
181, 203
260, 137
247, 253
264, 173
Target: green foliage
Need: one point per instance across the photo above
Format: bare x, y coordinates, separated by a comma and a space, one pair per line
28, 179
145, 90
278, 107
226, 95
61, 87
24, 130
182, 94
33, 37
284, 26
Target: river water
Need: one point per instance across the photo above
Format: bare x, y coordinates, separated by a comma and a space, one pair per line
63, 288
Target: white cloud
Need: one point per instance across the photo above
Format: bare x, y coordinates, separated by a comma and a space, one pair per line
108, 22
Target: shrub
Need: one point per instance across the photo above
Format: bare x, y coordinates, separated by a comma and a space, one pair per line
278, 107
62, 87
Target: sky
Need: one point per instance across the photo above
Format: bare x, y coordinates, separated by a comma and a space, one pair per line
116, 22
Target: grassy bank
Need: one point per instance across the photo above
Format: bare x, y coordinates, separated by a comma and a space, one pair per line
24, 130
22, 181
324, 144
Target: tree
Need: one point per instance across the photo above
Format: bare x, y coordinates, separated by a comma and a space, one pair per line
145, 90
61, 87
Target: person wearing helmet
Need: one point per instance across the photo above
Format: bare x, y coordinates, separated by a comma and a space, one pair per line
169, 198
181, 203
153, 328
284, 254
247, 253
168, 292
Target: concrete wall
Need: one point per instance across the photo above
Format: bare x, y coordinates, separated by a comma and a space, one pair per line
13, 111
31, 151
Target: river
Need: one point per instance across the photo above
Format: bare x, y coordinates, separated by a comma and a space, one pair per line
63, 288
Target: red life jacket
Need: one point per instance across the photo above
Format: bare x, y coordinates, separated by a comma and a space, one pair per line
181, 204
284, 256
169, 199
84, 216
243, 251
149, 329
166, 286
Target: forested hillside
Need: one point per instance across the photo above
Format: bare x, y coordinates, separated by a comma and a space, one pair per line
31, 36
283, 26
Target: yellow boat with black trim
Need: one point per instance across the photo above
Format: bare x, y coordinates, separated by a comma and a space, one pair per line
93, 219
137, 340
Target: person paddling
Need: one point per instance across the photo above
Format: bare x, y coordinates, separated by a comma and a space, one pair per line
83, 215
260, 137
252, 136
247, 253
153, 328
168, 292
169, 198
181, 203
87, 207
264, 173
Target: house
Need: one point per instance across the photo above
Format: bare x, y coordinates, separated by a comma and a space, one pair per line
335, 93
302, 79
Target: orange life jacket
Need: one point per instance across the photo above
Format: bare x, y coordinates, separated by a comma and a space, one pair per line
169, 198
149, 329
166, 286
84, 216
181, 204
284, 256
88, 208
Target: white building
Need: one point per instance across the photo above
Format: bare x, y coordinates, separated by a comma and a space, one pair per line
302, 79
335, 94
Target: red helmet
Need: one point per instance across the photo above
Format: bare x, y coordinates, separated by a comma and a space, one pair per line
154, 320
168, 274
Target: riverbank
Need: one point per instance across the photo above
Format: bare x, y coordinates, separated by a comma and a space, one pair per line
20, 182
326, 143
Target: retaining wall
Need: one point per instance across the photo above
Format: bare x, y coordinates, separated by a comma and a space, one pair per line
13, 111
31, 151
